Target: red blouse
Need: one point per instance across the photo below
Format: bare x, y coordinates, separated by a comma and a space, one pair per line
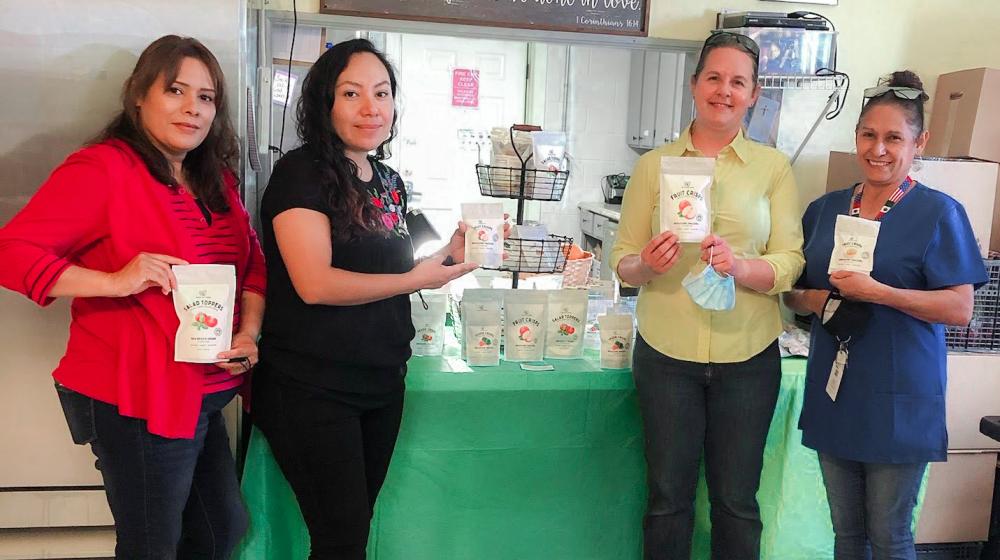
99, 209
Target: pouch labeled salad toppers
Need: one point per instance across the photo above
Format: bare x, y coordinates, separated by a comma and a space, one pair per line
685, 197
484, 238
204, 301
525, 321
567, 323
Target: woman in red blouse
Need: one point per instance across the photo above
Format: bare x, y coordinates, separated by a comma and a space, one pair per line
153, 190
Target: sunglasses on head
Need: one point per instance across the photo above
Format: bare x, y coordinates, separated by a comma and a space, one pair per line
724, 38
906, 93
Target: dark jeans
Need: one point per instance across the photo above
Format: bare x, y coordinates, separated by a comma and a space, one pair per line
871, 504
722, 410
171, 498
334, 449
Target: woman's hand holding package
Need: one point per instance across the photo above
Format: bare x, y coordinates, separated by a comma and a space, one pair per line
456, 245
858, 286
431, 273
145, 271
244, 352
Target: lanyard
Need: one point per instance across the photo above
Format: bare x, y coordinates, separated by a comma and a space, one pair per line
889, 203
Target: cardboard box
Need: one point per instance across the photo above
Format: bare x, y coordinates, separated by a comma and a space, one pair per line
964, 115
975, 184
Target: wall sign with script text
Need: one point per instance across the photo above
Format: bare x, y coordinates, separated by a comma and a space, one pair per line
615, 17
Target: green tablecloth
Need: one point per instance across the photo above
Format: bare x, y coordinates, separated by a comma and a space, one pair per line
500, 463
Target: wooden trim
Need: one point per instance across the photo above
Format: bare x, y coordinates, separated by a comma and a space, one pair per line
284, 62
331, 7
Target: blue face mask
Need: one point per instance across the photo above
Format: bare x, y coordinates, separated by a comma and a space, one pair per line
711, 290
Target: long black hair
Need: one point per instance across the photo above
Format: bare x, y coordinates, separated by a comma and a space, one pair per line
204, 164
348, 203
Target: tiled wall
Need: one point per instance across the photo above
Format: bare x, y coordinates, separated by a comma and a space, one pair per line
595, 124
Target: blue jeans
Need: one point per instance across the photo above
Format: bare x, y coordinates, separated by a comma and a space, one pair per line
723, 410
171, 498
872, 504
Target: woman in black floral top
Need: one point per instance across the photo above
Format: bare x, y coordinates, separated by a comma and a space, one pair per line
328, 393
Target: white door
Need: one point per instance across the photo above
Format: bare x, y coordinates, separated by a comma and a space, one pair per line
436, 150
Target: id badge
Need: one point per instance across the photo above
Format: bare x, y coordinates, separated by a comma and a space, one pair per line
836, 374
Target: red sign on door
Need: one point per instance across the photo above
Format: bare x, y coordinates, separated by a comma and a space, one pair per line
465, 88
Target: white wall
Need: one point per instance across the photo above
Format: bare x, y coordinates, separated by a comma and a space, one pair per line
595, 124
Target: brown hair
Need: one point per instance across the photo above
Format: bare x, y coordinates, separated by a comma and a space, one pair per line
204, 164
727, 39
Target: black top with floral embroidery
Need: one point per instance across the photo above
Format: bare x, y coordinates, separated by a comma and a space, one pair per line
356, 348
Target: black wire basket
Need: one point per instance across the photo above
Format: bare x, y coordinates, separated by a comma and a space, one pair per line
505, 182
982, 333
542, 256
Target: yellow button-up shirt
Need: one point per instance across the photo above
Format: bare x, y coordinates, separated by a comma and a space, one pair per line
755, 208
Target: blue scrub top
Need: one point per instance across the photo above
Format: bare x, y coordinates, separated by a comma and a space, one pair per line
890, 407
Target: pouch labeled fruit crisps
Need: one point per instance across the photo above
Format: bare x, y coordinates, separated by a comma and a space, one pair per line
482, 325
525, 322
854, 242
484, 238
567, 323
428, 324
685, 197
616, 341
204, 301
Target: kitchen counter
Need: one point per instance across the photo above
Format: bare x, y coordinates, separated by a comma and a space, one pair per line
612, 212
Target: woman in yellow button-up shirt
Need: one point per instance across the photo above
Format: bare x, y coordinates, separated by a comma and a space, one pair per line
708, 380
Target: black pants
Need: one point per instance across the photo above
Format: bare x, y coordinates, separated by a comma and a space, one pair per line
334, 448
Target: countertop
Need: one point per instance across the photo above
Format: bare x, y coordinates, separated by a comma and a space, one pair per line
611, 211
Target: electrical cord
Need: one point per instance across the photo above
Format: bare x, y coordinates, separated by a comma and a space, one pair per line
840, 79
288, 87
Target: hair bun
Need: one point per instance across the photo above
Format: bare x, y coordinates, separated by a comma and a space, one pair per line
907, 78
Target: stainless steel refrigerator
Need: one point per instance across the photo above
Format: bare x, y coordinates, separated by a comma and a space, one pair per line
62, 64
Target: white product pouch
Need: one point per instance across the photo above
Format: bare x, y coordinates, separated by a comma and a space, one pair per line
205, 300
567, 324
685, 197
524, 312
482, 325
616, 340
468, 297
854, 242
428, 324
484, 238
549, 149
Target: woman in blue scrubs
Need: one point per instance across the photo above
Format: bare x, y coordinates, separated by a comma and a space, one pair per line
883, 333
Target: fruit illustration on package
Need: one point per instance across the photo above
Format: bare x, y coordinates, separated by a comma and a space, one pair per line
525, 334
618, 345
566, 330
204, 321
482, 234
686, 210
485, 341
427, 337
